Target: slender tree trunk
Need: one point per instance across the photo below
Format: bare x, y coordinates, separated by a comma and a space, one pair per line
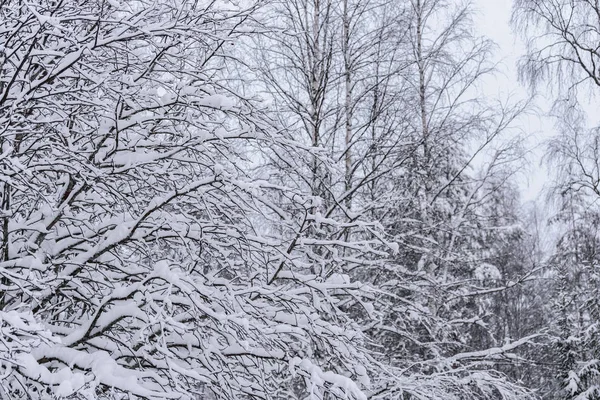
422, 84
314, 90
347, 102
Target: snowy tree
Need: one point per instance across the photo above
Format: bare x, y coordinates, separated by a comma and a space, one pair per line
563, 51
574, 264
411, 179
562, 42
140, 258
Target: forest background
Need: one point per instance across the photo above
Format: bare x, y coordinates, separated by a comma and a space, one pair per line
299, 199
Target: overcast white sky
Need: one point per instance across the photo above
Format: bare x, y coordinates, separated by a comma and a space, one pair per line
492, 20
